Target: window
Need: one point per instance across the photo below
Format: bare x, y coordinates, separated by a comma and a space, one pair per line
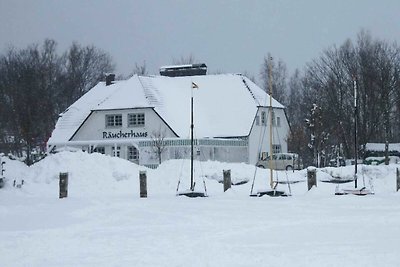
257, 120
284, 157
133, 153
276, 121
263, 118
136, 120
276, 149
114, 120
273, 118
116, 151
99, 149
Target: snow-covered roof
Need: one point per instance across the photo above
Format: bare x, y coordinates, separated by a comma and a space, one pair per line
381, 147
224, 104
182, 66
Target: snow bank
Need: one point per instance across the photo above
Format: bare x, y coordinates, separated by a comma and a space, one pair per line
14, 170
103, 222
100, 175
88, 174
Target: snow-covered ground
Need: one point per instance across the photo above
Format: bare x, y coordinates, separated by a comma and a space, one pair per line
103, 222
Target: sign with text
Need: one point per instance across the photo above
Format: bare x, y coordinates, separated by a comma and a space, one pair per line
121, 134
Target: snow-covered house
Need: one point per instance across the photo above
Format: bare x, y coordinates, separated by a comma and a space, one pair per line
378, 149
131, 118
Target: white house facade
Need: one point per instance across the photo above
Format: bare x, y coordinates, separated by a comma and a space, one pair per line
146, 119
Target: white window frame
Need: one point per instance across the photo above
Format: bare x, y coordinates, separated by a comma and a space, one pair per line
112, 121
276, 120
132, 153
136, 119
263, 118
276, 148
273, 118
116, 153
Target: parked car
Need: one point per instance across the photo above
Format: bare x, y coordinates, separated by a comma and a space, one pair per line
282, 161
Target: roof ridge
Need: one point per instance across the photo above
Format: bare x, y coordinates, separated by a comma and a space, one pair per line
249, 89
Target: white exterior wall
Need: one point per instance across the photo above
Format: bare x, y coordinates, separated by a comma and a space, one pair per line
95, 133
260, 134
94, 128
222, 153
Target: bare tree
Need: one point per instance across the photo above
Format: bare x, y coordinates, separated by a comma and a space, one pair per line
190, 59
374, 66
140, 69
84, 68
29, 83
297, 141
318, 134
250, 76
36, 84
279, 78
159, 144
294, 103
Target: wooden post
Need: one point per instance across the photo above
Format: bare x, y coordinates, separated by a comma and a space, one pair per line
227, 179
2, 170
63, 184
2, 167
143, 184
386, 153
398, 179
311, 177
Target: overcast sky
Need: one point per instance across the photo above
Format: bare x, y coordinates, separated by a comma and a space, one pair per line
229, 36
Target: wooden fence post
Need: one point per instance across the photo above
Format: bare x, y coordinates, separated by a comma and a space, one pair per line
143, 184
2, 170
227, 179
63, 184
311, 177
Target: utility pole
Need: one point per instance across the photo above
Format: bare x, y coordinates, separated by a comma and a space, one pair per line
270, 123
355, 131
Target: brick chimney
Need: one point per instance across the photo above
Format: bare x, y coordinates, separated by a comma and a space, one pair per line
110, 78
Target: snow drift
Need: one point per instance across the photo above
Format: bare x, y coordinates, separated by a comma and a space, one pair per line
103, 222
